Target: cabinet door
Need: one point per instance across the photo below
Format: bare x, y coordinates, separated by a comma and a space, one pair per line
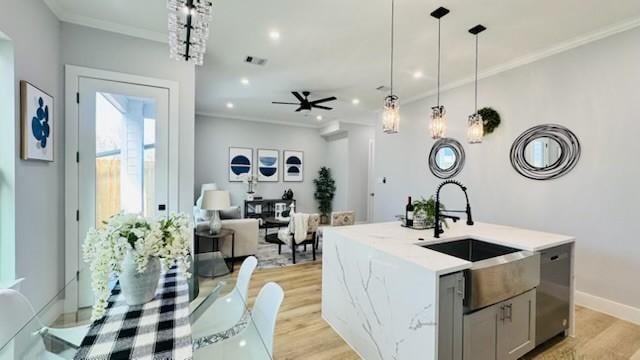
451, 294
481, 334
516, 326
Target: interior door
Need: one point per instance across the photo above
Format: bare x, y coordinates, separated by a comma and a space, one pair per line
371, 186
122, 159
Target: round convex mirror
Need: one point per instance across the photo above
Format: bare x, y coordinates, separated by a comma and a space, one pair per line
542, 152
446, 158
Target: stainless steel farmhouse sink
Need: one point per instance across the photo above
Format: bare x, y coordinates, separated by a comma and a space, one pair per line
498, 272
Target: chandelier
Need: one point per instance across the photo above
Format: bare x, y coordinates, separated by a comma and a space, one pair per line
391, 110
438, 125
189, 29
475, 129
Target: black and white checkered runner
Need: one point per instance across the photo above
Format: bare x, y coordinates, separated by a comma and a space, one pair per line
159, 329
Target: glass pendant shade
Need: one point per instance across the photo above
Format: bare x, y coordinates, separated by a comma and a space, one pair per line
438, 122
391, 115
189, 29
475, 129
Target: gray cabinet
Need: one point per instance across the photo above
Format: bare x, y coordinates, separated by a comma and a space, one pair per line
504, 331
451, 294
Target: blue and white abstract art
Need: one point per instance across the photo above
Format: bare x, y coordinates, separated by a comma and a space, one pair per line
36, 117
240, 163
293, 165
268, 164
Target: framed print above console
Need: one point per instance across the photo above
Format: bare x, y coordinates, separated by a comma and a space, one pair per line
240, 163
268, 165
293, 169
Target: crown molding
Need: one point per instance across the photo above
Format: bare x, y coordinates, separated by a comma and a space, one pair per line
254, 119
528, 59
280, 122
65, 15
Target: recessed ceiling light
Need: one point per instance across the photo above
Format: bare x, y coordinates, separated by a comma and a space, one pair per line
319, 117
230, 105
244, 81
418, 74
274, 35
355, 101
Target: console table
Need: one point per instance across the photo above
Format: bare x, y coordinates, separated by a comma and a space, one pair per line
263, 209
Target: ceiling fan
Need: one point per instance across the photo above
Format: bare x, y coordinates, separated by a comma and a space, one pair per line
307, 105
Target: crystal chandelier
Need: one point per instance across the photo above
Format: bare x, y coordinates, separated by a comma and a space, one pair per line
391, 115
189, 29
438, 125
391, 112
475, 129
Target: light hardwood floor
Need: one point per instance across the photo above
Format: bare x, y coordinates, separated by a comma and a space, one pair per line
301, 333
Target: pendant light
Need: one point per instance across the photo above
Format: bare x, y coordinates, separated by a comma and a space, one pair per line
438, 119
391, 113
475, 130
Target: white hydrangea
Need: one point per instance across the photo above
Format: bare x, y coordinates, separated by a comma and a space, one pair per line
105, 248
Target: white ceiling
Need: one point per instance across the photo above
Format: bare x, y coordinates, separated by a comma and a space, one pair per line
341, 48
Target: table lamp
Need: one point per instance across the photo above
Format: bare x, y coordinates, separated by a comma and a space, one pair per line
215, 200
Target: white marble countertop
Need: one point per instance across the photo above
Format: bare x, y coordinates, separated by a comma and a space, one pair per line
404, 243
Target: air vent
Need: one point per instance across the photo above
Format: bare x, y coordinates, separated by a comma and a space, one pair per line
383, 88
255, 60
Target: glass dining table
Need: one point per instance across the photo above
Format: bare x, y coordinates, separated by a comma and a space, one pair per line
61, 330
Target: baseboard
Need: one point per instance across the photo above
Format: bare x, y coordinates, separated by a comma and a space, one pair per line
621, 311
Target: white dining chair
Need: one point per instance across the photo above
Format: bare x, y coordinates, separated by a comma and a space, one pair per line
19, 317
215, 314
255, 341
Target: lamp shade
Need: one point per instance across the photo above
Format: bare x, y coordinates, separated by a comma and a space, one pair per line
216, 200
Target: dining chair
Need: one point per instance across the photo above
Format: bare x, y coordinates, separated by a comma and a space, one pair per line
217, 314
338, 218
255, 341
19, 316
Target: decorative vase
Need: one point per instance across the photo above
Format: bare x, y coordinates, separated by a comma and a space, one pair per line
289, 194
139, 287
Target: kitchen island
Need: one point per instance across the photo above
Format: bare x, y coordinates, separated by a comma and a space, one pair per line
389, 297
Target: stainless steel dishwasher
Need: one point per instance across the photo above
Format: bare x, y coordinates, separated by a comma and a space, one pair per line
553, 292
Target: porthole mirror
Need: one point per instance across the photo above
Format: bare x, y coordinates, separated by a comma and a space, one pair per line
446, 158
545, 152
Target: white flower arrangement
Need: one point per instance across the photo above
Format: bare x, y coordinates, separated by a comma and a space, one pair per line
105, 248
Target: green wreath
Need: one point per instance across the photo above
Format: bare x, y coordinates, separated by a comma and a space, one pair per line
490, 119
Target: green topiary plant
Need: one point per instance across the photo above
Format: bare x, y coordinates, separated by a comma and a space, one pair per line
428, 209
325, 191
490, 119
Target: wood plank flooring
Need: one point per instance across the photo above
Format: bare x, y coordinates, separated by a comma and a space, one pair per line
301, 333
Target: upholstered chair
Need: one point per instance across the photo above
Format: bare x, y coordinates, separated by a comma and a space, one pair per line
339, 218
287, 237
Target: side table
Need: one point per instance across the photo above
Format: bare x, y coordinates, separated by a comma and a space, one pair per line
216, 264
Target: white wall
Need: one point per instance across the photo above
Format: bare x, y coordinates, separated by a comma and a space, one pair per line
39, 193
98, 49
592, 90
214, 136
338, 160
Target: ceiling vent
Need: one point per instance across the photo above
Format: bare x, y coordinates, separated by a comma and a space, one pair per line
255, 60
383, 88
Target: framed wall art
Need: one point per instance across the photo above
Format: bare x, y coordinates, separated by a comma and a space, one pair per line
293, 170
268, 165
36, 123
240, 163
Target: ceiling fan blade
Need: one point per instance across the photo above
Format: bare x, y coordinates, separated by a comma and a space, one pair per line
284, 103
298, 96
324, 100
322, 107
299, 109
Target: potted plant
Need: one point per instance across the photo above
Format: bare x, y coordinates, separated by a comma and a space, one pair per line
134, 249
425, 211
325, 191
